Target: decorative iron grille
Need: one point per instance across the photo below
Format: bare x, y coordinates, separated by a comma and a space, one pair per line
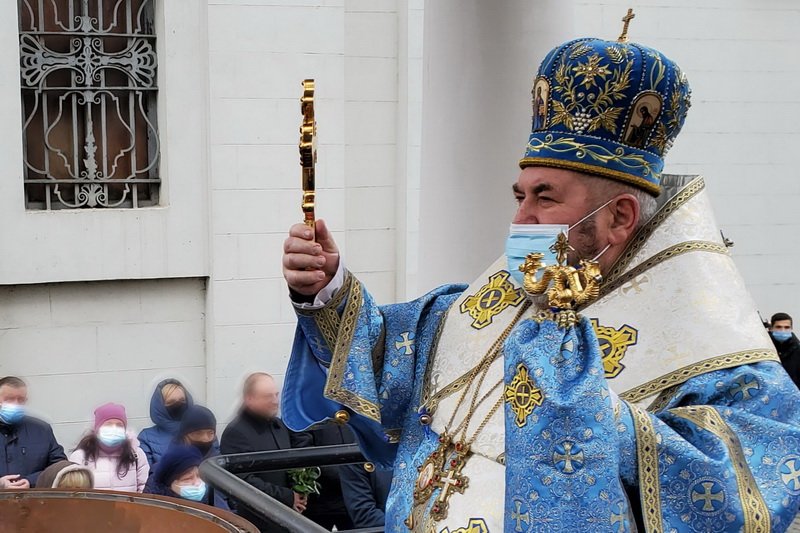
88, 77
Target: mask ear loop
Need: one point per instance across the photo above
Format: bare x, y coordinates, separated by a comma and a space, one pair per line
584, 219
604, 250
581, 221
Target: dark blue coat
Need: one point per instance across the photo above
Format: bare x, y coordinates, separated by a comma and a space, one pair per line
27, 448
365, 494
155, 440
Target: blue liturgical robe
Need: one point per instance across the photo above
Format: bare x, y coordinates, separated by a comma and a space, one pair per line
628, 429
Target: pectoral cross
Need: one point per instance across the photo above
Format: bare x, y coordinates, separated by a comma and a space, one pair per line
448, 483
623, 37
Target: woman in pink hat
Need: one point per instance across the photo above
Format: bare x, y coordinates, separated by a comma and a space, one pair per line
111, 453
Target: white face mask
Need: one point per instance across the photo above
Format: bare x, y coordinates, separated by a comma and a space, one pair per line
524, 239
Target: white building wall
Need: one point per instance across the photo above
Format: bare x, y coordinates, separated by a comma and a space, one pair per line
259, 54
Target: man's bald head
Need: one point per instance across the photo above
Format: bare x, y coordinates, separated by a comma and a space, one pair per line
261, 395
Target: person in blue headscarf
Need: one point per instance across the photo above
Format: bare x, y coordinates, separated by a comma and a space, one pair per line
167, 406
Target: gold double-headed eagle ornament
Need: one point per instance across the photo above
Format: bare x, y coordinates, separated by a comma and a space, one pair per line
308, 151
565, 286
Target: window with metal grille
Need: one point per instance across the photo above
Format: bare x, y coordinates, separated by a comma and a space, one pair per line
88, 77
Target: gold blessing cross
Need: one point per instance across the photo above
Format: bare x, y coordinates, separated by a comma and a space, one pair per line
623, 37
308, 152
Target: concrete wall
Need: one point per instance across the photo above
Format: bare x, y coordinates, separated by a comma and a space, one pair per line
82, 344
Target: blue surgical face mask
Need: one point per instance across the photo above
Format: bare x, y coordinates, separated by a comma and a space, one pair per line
524, 239
12, 413
781, 336
194, 493
111, 436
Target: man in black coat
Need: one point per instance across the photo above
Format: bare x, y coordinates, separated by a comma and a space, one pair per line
258, 429
365, 489
787, 344
27, 445
327, 508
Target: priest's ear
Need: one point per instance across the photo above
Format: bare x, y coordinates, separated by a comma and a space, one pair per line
625, 212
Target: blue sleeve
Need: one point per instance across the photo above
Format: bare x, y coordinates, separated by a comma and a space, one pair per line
339, 363
723, 452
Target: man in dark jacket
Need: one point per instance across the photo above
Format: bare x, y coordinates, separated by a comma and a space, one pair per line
787, 344
365, 490
27, 445
327, 508
257, 429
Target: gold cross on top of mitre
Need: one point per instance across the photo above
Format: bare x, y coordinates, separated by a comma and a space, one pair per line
623, 37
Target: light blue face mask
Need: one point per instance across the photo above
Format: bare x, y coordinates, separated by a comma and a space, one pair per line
781, 336
12, 413
111, 436
194, 493
524, 239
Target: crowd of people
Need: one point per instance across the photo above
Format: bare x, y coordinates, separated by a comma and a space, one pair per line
164, 459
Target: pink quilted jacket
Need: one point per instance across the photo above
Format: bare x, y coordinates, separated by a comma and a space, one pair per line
105, 469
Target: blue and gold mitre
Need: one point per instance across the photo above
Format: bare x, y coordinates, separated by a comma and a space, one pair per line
608, 108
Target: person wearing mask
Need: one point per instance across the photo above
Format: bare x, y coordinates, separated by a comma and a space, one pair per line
257, 428
199, 429
66, 475
365, 491
113, 455
787, 344
27, 444
178, 475
167, 405
327, 508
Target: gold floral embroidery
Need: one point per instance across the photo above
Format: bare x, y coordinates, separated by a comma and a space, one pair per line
595, 152
590, 70
582, 110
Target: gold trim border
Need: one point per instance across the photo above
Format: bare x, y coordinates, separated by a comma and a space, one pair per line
457, 384
682, 197
676, 377
649, 480
598, 170
756, 512
344, 342
655, 260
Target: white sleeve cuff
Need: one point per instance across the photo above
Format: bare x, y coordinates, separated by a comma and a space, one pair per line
328, 292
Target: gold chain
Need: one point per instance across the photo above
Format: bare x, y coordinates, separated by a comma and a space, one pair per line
466, 379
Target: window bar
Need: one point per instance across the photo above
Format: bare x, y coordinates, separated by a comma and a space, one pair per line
132, 108
75, 148
103, 128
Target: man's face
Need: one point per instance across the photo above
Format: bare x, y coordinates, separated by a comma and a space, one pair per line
263, 398
18, 395
556, 196
782, 325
